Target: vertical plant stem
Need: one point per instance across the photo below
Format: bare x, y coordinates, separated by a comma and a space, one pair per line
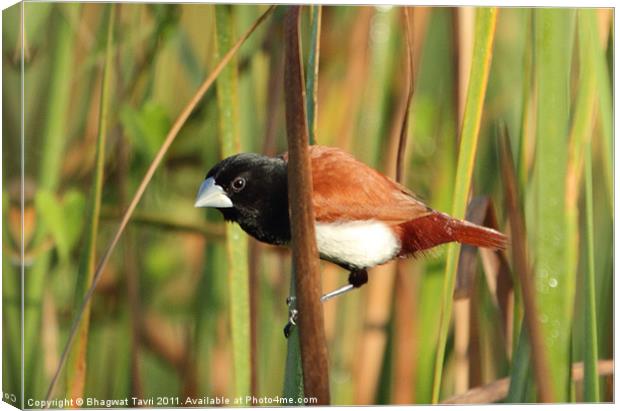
484, 33
236, 240
293, 376
305, 255
404, 129
402, 293
554, 285
580, 148
76, 368
464, 17
591, 389
588, 50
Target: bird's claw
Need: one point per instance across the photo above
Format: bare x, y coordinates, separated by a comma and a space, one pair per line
292, 316
292, 322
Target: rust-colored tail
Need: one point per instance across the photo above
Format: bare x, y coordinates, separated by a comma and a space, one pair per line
438, 228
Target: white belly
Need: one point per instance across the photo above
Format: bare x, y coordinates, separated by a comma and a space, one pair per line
362, 244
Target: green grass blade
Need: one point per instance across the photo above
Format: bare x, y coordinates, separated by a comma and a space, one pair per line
588, 48
519, 373
580, 143
555, 286
483, 41
590, 381
236, 239
581, 129
76, 362
606, 113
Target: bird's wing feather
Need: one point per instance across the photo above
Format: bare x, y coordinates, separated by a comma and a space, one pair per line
345, 189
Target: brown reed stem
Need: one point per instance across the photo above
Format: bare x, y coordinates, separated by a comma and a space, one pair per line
305, 255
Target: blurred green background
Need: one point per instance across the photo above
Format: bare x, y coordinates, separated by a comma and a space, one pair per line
160, 317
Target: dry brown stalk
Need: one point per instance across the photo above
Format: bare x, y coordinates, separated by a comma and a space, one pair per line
518, 242
305, 254
497, 390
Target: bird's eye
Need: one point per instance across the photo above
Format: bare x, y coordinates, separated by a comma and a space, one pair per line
238, 184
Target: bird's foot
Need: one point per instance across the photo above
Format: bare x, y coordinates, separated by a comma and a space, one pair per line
292, 316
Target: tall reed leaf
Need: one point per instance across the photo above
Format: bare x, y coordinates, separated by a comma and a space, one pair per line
76, 368
605, 100
236, 240
590, 359
520, 371
478, 78
582, 129
555, 286
580, 133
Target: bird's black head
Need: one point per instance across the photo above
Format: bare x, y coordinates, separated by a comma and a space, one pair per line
251, 190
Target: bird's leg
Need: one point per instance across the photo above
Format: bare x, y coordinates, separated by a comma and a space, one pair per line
292, 316
357, 278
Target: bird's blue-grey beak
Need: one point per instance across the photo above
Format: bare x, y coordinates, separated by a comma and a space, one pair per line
212, 195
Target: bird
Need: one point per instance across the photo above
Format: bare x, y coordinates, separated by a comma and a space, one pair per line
362, 217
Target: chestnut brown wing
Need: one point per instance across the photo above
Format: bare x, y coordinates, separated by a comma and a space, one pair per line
345, 189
